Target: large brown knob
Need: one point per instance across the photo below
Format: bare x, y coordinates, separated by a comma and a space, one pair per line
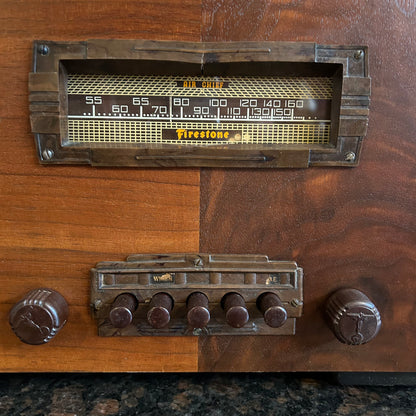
39, 316
271, 306
198, 313
236, 313
159, 310
352, 316
122, 310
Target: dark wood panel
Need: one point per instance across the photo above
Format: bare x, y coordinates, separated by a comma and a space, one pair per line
57, 222
345, 227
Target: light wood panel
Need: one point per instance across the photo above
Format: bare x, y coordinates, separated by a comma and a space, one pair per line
57, 222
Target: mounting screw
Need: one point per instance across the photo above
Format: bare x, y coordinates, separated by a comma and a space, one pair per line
296, 303
358, 54
349, 157
97, 304
198, 262
43, 50
48, 154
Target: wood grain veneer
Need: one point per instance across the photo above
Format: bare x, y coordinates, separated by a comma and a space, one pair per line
345, 227
56, 224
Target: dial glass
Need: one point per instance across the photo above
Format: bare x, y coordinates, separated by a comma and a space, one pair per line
273, 107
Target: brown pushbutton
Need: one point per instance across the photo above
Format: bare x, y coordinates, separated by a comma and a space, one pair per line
39, 316
352, 316
271, 306
236, 313
159, 310
198, 313
122, 310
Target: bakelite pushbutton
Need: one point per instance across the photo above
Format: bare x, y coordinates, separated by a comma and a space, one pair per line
236, 313
271, 306
198, 314
159, 310
122, 310
352, 316
39, 316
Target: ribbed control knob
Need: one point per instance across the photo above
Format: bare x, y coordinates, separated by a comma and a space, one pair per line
39, 316
271, 306
198, 313
352, 316
236, 313
122, 310
159, 310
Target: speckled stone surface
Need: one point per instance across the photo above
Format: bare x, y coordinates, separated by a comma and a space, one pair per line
197, 394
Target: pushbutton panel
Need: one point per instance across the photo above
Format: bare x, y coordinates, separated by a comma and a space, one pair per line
196, 294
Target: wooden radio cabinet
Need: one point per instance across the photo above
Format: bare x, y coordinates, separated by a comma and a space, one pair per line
338, 240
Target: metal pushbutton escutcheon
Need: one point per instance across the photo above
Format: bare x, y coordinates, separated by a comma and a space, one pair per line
188, 294
352, 316
39, 316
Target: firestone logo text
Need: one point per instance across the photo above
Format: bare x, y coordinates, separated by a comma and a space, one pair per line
202, 134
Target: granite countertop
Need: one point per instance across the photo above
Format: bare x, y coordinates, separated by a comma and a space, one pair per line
197, 394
